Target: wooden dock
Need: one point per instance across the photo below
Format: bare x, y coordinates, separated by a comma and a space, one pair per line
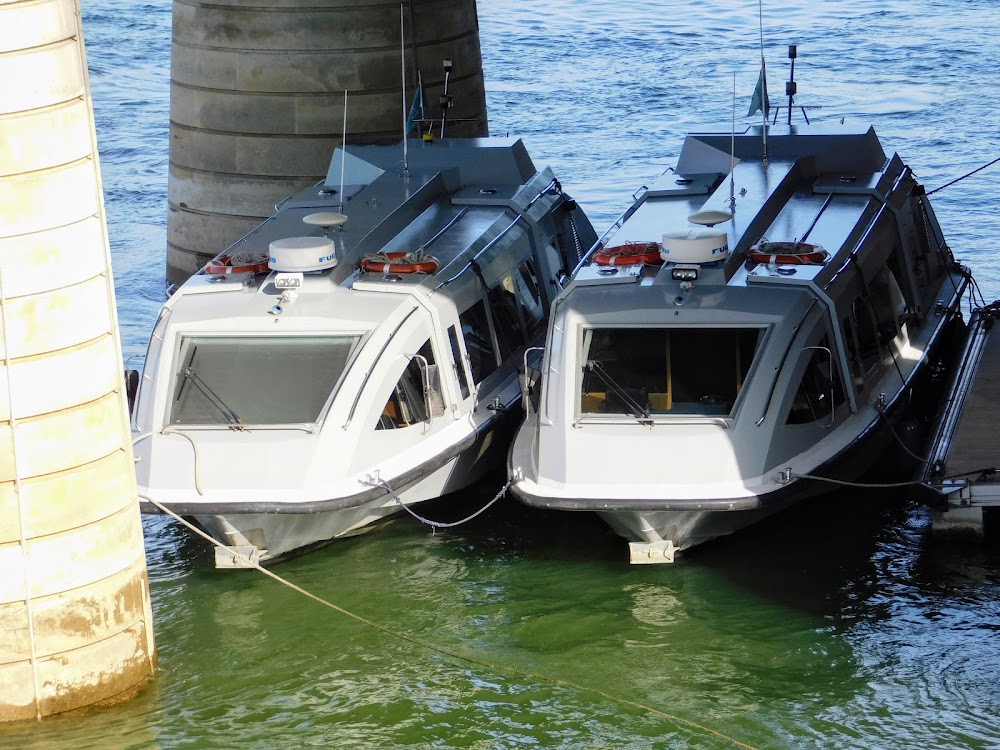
965, 451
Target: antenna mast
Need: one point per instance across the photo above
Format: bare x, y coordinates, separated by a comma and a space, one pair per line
446, 100
343, 155
402, 77
732, 153
763, 73
790, 87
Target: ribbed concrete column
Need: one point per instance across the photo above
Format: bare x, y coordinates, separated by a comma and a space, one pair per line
75, 622
257, 96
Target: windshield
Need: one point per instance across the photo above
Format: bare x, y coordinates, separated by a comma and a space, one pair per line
650, 371
257, 380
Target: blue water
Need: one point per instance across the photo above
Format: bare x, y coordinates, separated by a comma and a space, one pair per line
839, 624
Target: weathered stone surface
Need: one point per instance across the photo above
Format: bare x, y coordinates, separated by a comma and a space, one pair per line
71, 549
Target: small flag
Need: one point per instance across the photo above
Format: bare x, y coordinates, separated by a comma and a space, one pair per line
416, 111
759, 101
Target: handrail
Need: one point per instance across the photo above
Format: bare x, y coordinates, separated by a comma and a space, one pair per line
615, 226
446, 227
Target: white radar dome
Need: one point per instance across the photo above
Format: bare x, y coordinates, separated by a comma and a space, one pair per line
302, 254
695, 245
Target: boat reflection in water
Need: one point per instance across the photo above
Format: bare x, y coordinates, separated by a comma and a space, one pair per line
358, 350
751, 323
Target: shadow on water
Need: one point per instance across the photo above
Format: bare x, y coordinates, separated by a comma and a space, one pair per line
814, 558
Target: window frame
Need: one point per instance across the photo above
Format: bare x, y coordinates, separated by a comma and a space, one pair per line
580, 417
173, 365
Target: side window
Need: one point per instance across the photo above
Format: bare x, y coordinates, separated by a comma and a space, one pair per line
888, 305
868, 342
850, 331
478, 342
508, 317
407, 404
516, 305
820, 382
456, 354
529, 295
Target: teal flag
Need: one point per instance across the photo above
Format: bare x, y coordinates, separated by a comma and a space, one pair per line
759, 101
416, 111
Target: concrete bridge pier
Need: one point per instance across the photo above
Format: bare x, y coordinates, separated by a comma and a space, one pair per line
75, 616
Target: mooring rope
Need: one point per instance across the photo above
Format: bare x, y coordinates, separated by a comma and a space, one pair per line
376, 482
498, 668
959, 179
848, 483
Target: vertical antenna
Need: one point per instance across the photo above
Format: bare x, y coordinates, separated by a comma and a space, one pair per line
763, 74
732, 153
446, 101
790, 83
343, 155
402, 77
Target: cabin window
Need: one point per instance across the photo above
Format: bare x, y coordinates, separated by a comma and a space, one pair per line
903, 291
257, 380
478, 342
888, 305
820, 383
868, 341
456, 354
650, 371
854, 353
407, 404
517, 309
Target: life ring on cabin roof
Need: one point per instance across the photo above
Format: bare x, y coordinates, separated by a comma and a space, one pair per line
629, 254
787, 253
242, 262
400, 262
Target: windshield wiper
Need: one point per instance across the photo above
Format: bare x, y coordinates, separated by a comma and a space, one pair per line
212, 397
635, 408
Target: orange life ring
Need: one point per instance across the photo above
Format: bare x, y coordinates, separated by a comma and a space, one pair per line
787, 253
629, 254
238, 263
400, 262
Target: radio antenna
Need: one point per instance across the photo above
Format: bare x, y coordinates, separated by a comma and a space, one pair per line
732, 153
763, 75
343, 155
402, 61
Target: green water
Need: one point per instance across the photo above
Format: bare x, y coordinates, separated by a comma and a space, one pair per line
839, 624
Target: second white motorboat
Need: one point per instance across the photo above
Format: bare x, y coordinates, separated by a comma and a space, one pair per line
754, 332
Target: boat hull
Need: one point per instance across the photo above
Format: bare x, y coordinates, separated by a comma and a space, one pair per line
281, 530
878, 454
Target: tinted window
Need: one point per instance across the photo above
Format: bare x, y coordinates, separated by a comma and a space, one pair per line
665, 370
257, 380
478, 342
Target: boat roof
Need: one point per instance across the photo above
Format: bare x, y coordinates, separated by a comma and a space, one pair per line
819, 184
453, 197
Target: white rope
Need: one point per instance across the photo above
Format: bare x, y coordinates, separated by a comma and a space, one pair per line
435, 524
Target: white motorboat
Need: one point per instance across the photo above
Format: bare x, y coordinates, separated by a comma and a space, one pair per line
753, 329
359, 350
